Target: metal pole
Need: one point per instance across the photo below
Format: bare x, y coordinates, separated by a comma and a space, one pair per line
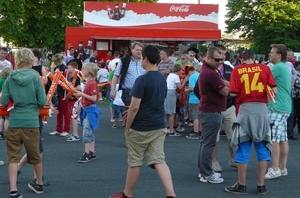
199, 1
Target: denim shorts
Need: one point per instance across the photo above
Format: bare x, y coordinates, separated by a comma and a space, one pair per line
88, 134
242, 155
117, 110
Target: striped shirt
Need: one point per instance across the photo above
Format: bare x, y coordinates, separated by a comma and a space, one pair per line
135, 70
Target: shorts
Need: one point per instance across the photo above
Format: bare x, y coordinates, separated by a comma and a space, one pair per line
193, 112
279, 129
111, 104
31, 139
242, 155
228, 118
150, 142
74, 109
117, 110
88, 135
170, 102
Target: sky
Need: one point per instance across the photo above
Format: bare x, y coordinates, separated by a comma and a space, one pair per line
222, 9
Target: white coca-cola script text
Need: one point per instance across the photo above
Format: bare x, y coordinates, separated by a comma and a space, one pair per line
183, 8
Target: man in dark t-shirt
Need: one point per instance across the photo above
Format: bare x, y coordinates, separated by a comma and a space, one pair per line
213, 89
145, 125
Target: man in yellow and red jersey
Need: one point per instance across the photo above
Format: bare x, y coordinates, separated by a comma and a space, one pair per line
249, 83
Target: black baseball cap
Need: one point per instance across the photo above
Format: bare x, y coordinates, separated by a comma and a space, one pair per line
246, 54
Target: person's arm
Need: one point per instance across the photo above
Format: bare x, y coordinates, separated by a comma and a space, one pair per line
132, 111
182, 83
165, 72
5, 94
92, 98
224, 91
113, 87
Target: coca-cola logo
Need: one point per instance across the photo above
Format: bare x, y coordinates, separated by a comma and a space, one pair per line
183, 8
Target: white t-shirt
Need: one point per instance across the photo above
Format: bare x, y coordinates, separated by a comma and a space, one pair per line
172, 80
118, 99
102, 75
112, 64
4, 64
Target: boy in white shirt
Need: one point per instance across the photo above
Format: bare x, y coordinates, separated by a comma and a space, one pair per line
119, 107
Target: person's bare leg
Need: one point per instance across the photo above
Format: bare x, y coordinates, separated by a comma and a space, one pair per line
275, 155
242, 170
75, 127
262, 168
116, 121
166, 178
196, 125
230, 151
13, 172
284, 151
6, 121
38, 172
171, 122
133, 174
23, 161
215, 154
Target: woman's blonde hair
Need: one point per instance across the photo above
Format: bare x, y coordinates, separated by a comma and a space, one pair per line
58, 57
24, 58
5, 72
92, 69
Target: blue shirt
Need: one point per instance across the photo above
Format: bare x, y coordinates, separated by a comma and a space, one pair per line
192, 82
135, 70
151, 88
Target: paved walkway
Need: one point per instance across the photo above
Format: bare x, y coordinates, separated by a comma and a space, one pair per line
106, 175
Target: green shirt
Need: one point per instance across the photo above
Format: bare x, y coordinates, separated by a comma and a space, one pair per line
25, 89
2, 80
282, 77
111, 75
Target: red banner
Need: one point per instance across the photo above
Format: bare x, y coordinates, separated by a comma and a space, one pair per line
146, 15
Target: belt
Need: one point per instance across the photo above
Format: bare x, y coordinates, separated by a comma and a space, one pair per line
126, 90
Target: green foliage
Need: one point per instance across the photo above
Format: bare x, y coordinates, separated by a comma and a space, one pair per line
265, 22
41, 23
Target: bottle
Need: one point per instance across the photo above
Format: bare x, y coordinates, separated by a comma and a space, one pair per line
80, 50
110, 13
87, 50
123, 10
117, 12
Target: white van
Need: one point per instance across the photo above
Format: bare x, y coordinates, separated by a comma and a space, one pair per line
297, 56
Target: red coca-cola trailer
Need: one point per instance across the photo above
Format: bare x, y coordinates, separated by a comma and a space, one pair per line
111, 26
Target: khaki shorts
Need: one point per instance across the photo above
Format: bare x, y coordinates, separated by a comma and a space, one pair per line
193, 112
228, 118
150, 142
31, 139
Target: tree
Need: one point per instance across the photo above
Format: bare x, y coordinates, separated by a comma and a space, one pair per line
41, 23
265, 22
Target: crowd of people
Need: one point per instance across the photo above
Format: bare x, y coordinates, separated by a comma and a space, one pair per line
153, 93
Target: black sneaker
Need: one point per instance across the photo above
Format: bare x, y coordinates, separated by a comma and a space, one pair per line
45, 183
84, 158
193, 136
237, 189
35, 188
15, 195
92, 155
261, 190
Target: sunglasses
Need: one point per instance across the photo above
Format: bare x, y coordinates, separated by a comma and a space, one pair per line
217, 59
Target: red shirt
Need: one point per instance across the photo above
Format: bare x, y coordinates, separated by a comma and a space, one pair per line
210, 83
91, 88
249, 82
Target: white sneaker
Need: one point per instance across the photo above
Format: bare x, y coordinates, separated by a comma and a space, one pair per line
212, 179
216, 167
284, 172
272, 174
54, 133
121, 120
73, 138
179, 129
64, 134
1, 163
215, 174
112, 120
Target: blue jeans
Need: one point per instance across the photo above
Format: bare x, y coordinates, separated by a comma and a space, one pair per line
211, 123
290, 122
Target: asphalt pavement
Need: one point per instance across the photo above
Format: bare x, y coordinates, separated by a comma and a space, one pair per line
106, 175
